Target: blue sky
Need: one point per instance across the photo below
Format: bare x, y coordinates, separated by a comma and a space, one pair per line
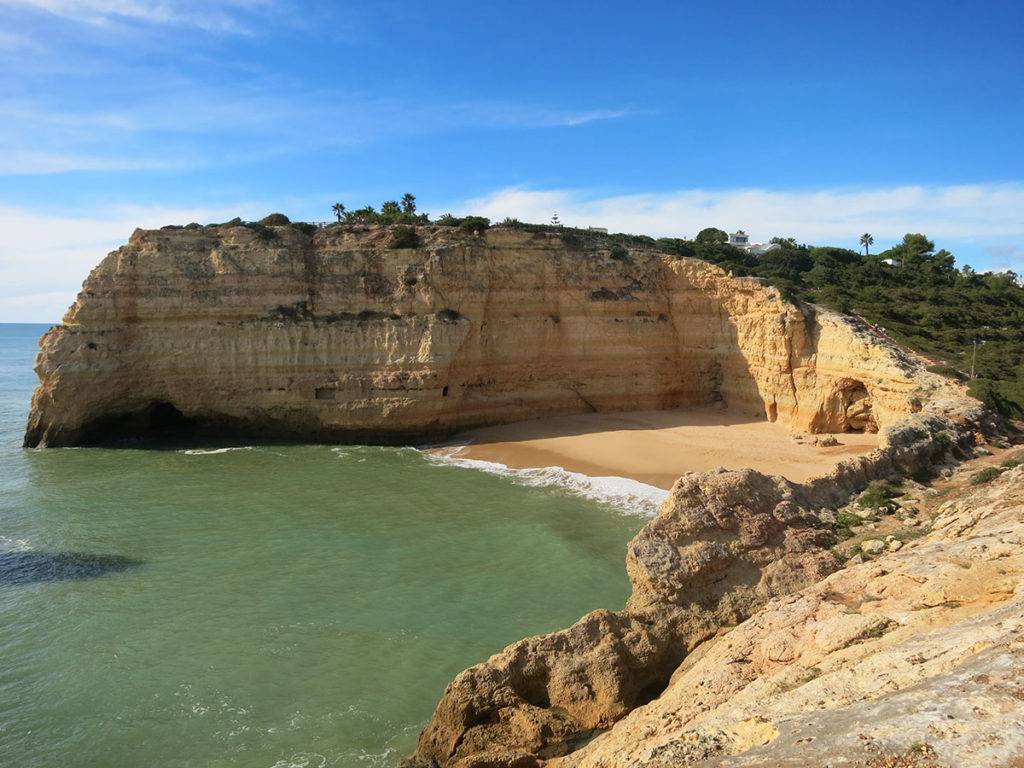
813, 120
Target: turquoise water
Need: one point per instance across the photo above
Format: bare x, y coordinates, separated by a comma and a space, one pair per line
274, 606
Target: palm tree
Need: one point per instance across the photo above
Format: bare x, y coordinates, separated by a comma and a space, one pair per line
339, 210
408, 203
866, 240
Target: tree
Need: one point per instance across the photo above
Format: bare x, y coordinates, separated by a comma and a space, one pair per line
339, 210
390, 210
408, 204
711, 235
555, 221
866, 240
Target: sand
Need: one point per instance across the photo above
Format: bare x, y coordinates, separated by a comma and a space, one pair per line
656, 447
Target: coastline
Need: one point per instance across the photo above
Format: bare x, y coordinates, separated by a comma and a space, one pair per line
651, 448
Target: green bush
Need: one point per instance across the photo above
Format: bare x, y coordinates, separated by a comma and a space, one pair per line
619, 253
948, 371
304, 227
994, 395
985, 475
275, 220
475, 223
877, 494
404, 237
262, 232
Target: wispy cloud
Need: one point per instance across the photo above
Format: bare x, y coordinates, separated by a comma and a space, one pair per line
182, 127
972, 211
582, 118
225, 16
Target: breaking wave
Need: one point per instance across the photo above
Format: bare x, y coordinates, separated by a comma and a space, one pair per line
630, 496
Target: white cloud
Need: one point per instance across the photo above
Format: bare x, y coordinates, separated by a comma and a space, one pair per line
171, 132
44, 259
1006, 256
25, 163
220, 16
973, 211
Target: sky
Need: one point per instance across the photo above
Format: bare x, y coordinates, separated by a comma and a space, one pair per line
818, 121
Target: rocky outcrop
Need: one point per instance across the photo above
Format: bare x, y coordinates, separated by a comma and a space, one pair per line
722, 545
337, 336
915, 656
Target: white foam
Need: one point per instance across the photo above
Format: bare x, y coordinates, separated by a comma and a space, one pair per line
15, 545
630, 496
212, 451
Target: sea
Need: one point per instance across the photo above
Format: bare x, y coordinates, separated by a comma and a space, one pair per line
295, 606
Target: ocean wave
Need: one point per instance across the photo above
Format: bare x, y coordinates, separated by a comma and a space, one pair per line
630, 496
212, 451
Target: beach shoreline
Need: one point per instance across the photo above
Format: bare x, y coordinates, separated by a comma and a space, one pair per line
655, 448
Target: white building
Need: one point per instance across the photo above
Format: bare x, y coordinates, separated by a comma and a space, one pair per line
740, 239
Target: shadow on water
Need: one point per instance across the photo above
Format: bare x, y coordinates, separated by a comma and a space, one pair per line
33, 567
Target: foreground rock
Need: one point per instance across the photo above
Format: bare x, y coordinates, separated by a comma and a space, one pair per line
722, 546
915, 658
337, 336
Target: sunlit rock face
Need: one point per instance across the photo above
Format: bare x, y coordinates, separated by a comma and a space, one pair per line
337, 336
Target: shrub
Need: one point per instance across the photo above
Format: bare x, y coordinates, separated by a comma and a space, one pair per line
304, 227
948, 371
404, 237
619, 253
262, 232
986, 475
990, 393
845, 521
1014, 461
877, 494
475, 223
275, 220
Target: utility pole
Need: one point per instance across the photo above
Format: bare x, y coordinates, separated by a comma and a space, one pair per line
974, 357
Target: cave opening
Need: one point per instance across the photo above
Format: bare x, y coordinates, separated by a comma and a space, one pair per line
159, 421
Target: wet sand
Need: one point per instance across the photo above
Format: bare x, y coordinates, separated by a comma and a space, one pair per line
656, 447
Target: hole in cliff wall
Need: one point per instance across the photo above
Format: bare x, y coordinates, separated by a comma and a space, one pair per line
158, 421
325, 393
444, 391
847, 408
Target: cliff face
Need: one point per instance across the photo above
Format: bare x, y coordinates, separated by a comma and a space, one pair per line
337, 336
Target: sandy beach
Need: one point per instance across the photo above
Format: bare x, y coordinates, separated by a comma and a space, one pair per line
656, 447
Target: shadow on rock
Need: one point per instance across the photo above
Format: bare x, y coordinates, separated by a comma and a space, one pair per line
33, 567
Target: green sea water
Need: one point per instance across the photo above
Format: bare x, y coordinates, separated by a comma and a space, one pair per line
265, 606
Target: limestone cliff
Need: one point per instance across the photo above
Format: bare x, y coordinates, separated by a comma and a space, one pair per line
913, 659
337, 336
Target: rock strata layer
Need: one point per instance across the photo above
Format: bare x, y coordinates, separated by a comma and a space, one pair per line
337, 336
